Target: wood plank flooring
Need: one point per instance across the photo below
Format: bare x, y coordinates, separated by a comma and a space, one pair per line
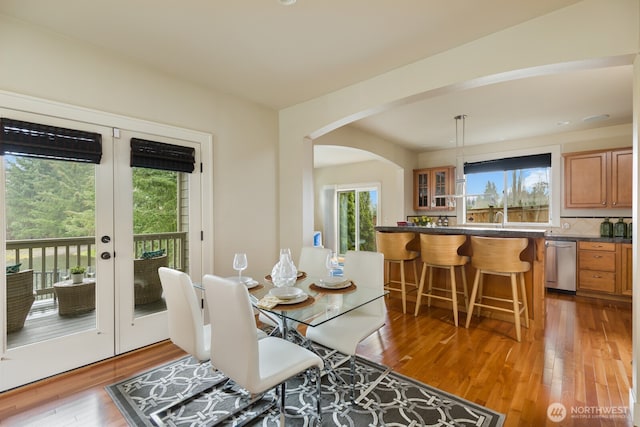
582, 360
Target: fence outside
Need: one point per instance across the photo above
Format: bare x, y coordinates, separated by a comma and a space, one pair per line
48, 258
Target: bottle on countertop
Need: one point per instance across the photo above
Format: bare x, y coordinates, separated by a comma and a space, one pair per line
606, 228
620, 228
629, 230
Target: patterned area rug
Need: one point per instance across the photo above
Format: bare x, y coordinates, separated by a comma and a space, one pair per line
392, 399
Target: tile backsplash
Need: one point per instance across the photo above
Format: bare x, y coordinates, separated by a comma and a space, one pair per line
583, 226
570, 226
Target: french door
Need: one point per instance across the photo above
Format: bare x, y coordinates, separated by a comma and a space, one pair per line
357, 214
158, 224
86, 215
67, 193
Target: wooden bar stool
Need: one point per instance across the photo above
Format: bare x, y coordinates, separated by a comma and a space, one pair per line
500, 256
441, 251
394, 248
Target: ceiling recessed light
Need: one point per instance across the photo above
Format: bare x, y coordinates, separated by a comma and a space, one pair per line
596, 118
564, 123
286, 2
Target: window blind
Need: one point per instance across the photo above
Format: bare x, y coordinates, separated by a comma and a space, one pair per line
510, 163
51, 142
159, 155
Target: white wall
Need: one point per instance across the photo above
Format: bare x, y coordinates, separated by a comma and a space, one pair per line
244, 197
393, 170
388, 175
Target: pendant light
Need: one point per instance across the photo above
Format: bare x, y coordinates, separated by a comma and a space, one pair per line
460, 179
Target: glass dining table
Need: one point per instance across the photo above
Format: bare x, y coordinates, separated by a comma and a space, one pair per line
323, 302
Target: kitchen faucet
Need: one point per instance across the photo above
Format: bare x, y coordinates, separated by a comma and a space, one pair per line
495, 218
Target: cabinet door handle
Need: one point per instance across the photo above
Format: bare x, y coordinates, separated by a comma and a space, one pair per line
604, 203
595, 276
597, 256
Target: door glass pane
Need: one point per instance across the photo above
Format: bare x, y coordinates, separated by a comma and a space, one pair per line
440, 188
357, 218
50, 221
423, 190
160, 226
368, 216
346, 221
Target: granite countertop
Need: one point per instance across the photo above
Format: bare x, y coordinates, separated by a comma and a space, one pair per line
584, 238
471, 231
503, 232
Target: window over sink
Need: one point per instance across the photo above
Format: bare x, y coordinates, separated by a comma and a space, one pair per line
509, 191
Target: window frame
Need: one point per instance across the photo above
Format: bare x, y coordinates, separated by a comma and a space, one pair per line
555, 189
332, 207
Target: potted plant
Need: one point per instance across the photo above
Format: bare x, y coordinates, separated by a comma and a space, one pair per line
77, 274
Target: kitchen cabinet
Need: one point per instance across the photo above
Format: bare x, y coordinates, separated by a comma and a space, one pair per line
598, 179
621, 178
430, 183
597, 266
626, 279
604, 269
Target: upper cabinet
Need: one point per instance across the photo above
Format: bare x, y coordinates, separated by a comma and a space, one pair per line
430, 183
598, 179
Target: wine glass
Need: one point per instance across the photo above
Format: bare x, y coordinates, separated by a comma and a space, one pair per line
240, 263
91, 271
64, 274
331, 263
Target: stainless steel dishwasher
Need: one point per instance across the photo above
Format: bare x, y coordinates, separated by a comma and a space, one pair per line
560, 265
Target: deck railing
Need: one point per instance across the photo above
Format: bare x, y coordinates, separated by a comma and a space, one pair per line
49, 258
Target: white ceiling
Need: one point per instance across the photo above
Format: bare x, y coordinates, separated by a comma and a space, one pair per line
280, 55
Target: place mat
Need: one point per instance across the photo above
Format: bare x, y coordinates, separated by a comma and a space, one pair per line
301, 275
321, 289
286, 307
256, 288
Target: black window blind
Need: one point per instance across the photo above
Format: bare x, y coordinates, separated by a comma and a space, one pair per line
510, 163
159, 155
51, 142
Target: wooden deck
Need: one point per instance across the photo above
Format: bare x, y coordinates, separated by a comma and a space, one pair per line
44, 322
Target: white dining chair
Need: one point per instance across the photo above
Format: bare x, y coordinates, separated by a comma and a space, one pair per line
186, 325
187, 329
345, 332
313, 261
255, 365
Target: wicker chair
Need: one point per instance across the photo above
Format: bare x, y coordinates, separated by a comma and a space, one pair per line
146, 281
20, 297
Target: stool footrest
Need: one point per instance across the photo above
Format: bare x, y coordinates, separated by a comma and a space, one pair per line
506, 310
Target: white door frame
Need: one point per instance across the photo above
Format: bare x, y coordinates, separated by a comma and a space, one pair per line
17, 366
20, 365
135, 332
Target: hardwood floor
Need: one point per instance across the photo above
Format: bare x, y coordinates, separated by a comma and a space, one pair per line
582, 360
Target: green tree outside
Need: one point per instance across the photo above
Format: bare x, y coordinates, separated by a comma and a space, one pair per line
367, 217
54, 198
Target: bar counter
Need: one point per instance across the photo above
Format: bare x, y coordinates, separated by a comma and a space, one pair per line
493, 285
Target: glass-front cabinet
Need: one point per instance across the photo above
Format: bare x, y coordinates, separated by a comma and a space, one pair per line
429, 185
